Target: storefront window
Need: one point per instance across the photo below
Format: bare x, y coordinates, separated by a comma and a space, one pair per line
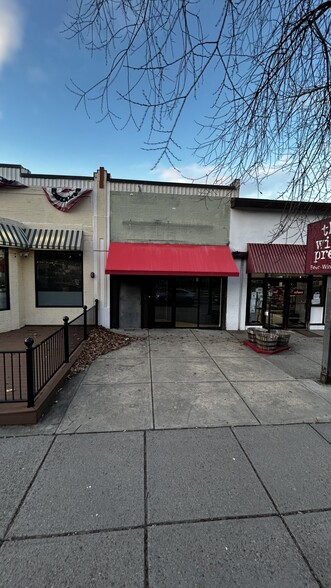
255, 301
4, 289
59, 278
209, 302
318, 291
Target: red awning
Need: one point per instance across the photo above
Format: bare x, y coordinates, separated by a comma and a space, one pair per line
267, 258
170, 260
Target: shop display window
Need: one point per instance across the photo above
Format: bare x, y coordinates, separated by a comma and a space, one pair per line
59, 278
4, 282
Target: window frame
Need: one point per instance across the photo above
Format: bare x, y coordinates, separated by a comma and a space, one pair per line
42, 253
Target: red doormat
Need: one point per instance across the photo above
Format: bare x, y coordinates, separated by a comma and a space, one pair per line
264, 351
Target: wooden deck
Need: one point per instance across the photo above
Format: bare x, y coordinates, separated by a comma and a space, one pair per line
13, 383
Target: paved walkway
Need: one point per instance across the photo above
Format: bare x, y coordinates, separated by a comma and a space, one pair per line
184, 459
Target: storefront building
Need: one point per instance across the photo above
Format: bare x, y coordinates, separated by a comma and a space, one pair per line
46, 254
168, 261
154, 254
274, 289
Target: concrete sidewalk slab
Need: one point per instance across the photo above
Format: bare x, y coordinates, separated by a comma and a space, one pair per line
87, 482
256, 553
179, 334
325, 430
249, 368
211, 404
283, 402
121, 370
294, 463
321, 389
313, 534
178, 369
20, 460
297, 366
174, 349
212, 335
138, 348
200, 474
215, 349
109, 407
101, 560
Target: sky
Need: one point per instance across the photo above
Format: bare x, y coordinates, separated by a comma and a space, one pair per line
40, 126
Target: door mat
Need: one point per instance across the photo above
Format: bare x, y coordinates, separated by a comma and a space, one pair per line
307, 333
264, 351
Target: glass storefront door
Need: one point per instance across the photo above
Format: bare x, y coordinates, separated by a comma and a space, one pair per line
286, 303
182, 301
163, 302
275, 304
297, 304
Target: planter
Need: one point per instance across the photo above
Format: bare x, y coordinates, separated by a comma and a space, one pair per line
283, 338
266, 341
251, 331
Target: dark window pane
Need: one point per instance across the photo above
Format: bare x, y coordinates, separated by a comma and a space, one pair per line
209, 303
59, 278
4, 289
186, 296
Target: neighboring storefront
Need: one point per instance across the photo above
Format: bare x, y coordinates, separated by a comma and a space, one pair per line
274, 289
46, 254
279, 293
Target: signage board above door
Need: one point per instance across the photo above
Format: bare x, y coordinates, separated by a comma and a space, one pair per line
318, 256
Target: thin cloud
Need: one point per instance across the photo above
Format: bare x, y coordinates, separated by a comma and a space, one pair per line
11, 30
36, 74
188, 173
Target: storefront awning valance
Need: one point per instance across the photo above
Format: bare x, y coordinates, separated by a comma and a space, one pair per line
54, 239
12, 234
275, 258
170, 260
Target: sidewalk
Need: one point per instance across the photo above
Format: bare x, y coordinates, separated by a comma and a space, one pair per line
184, 459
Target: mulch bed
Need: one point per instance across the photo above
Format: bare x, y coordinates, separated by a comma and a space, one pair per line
100, 341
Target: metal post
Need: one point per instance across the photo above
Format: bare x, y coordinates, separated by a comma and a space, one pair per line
326, 357
85, 321
29, 370
66, 338
96, 312
270, 292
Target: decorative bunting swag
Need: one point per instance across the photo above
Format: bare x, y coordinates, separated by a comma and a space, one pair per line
65, 198
4, 183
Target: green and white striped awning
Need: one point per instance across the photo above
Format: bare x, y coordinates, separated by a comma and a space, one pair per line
64, 240
12, 234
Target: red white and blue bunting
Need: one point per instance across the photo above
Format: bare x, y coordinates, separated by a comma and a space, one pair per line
65, 198
4, 183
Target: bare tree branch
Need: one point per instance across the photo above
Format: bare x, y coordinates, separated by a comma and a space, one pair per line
265, 65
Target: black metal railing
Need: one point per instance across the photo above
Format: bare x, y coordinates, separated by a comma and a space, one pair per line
23, 374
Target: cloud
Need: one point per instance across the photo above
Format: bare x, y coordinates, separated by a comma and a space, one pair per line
187, 173
36, 74
11, 30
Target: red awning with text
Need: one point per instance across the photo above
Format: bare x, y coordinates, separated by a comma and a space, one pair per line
170, 260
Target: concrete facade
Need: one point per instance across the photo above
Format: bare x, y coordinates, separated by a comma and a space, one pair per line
156, 213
